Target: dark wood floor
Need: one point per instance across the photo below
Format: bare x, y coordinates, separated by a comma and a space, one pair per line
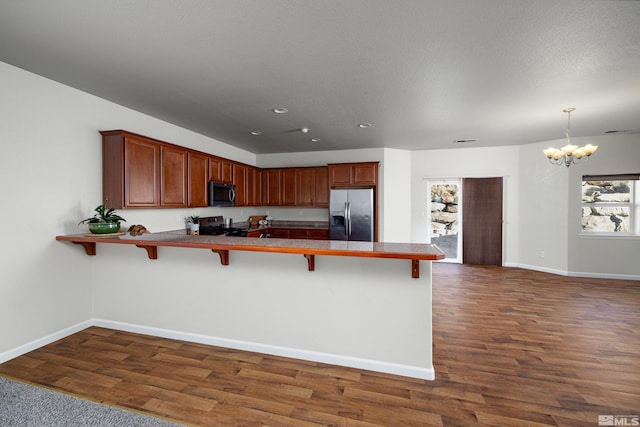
511, 348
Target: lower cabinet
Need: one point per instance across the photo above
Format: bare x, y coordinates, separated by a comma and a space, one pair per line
299, 233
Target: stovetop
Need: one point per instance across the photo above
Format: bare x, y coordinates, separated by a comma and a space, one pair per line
214, 225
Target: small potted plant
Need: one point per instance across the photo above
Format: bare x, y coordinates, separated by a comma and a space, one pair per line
105, 221
194, 224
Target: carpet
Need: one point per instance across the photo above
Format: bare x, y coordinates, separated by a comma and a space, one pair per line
26, 405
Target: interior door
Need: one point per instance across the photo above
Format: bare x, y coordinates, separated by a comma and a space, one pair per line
482, 221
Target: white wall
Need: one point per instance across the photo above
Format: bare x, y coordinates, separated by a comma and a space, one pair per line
614, 256
50, 178
395, 212
543, 227
551, 213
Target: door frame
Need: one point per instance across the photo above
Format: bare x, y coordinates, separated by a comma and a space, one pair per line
444, 181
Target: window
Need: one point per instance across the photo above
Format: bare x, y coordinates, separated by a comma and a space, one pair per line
611, 204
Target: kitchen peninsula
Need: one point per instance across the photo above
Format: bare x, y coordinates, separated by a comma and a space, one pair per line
358, 307
309, 248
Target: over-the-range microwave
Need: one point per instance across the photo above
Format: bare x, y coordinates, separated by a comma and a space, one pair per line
221, 194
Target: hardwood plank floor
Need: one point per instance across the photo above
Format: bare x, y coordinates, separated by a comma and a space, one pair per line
512, 347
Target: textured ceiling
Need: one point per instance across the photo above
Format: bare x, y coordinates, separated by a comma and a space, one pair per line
422, 72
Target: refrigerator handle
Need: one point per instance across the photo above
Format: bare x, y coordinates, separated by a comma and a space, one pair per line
346, 219
349, 218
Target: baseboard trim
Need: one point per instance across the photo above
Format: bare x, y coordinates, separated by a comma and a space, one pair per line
333, 359
41, 342
537, 268
575, 273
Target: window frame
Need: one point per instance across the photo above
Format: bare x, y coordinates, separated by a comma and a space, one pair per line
633, 204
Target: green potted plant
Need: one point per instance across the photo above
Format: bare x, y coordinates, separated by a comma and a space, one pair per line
194, 224
105, 221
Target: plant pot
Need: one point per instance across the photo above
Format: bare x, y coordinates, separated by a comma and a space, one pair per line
194, 229
104, 227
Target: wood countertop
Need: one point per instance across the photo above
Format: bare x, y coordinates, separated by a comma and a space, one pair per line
223, 244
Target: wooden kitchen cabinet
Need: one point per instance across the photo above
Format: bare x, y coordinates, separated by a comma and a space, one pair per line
353, 174
240, 181
198, 177
322, 187
130, 170
173, 177
279, 233
305, 186
289, 187
318, 234
220, 170
271, 187
254, 186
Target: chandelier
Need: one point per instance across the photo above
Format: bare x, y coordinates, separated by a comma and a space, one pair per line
569, 153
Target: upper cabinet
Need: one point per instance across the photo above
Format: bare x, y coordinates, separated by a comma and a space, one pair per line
220, 170
130, 171
271, 187
240, 181
306, 186
322, 186
142, 172
254, 186
198, 178
173, 177
289, 187
363, 174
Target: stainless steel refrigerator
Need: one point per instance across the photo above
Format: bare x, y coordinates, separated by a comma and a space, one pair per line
351, 215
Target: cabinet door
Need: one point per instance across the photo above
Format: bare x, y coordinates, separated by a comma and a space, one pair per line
254, 186
240, 181
255, 233
141, 178
360, 174
365, 173
298, 234
198, 177
322, 187
289, 187
220, 170
305, 186
318, 235
271, 187
281, 233
340, 174
173, 177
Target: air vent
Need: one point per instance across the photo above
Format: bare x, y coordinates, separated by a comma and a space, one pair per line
463, 141
626, 131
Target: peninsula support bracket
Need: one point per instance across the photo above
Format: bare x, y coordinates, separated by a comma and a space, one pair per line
89, 247
224, 255
311, 262
152, 251
415, 268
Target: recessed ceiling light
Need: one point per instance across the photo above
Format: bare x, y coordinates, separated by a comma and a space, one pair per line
304, 130
364, 125
315, 139
256, 133
462, 141
280, 110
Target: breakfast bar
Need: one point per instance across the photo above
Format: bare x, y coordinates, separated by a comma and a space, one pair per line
354, 305
223, 244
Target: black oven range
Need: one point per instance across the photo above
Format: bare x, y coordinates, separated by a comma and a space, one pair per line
214, 226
